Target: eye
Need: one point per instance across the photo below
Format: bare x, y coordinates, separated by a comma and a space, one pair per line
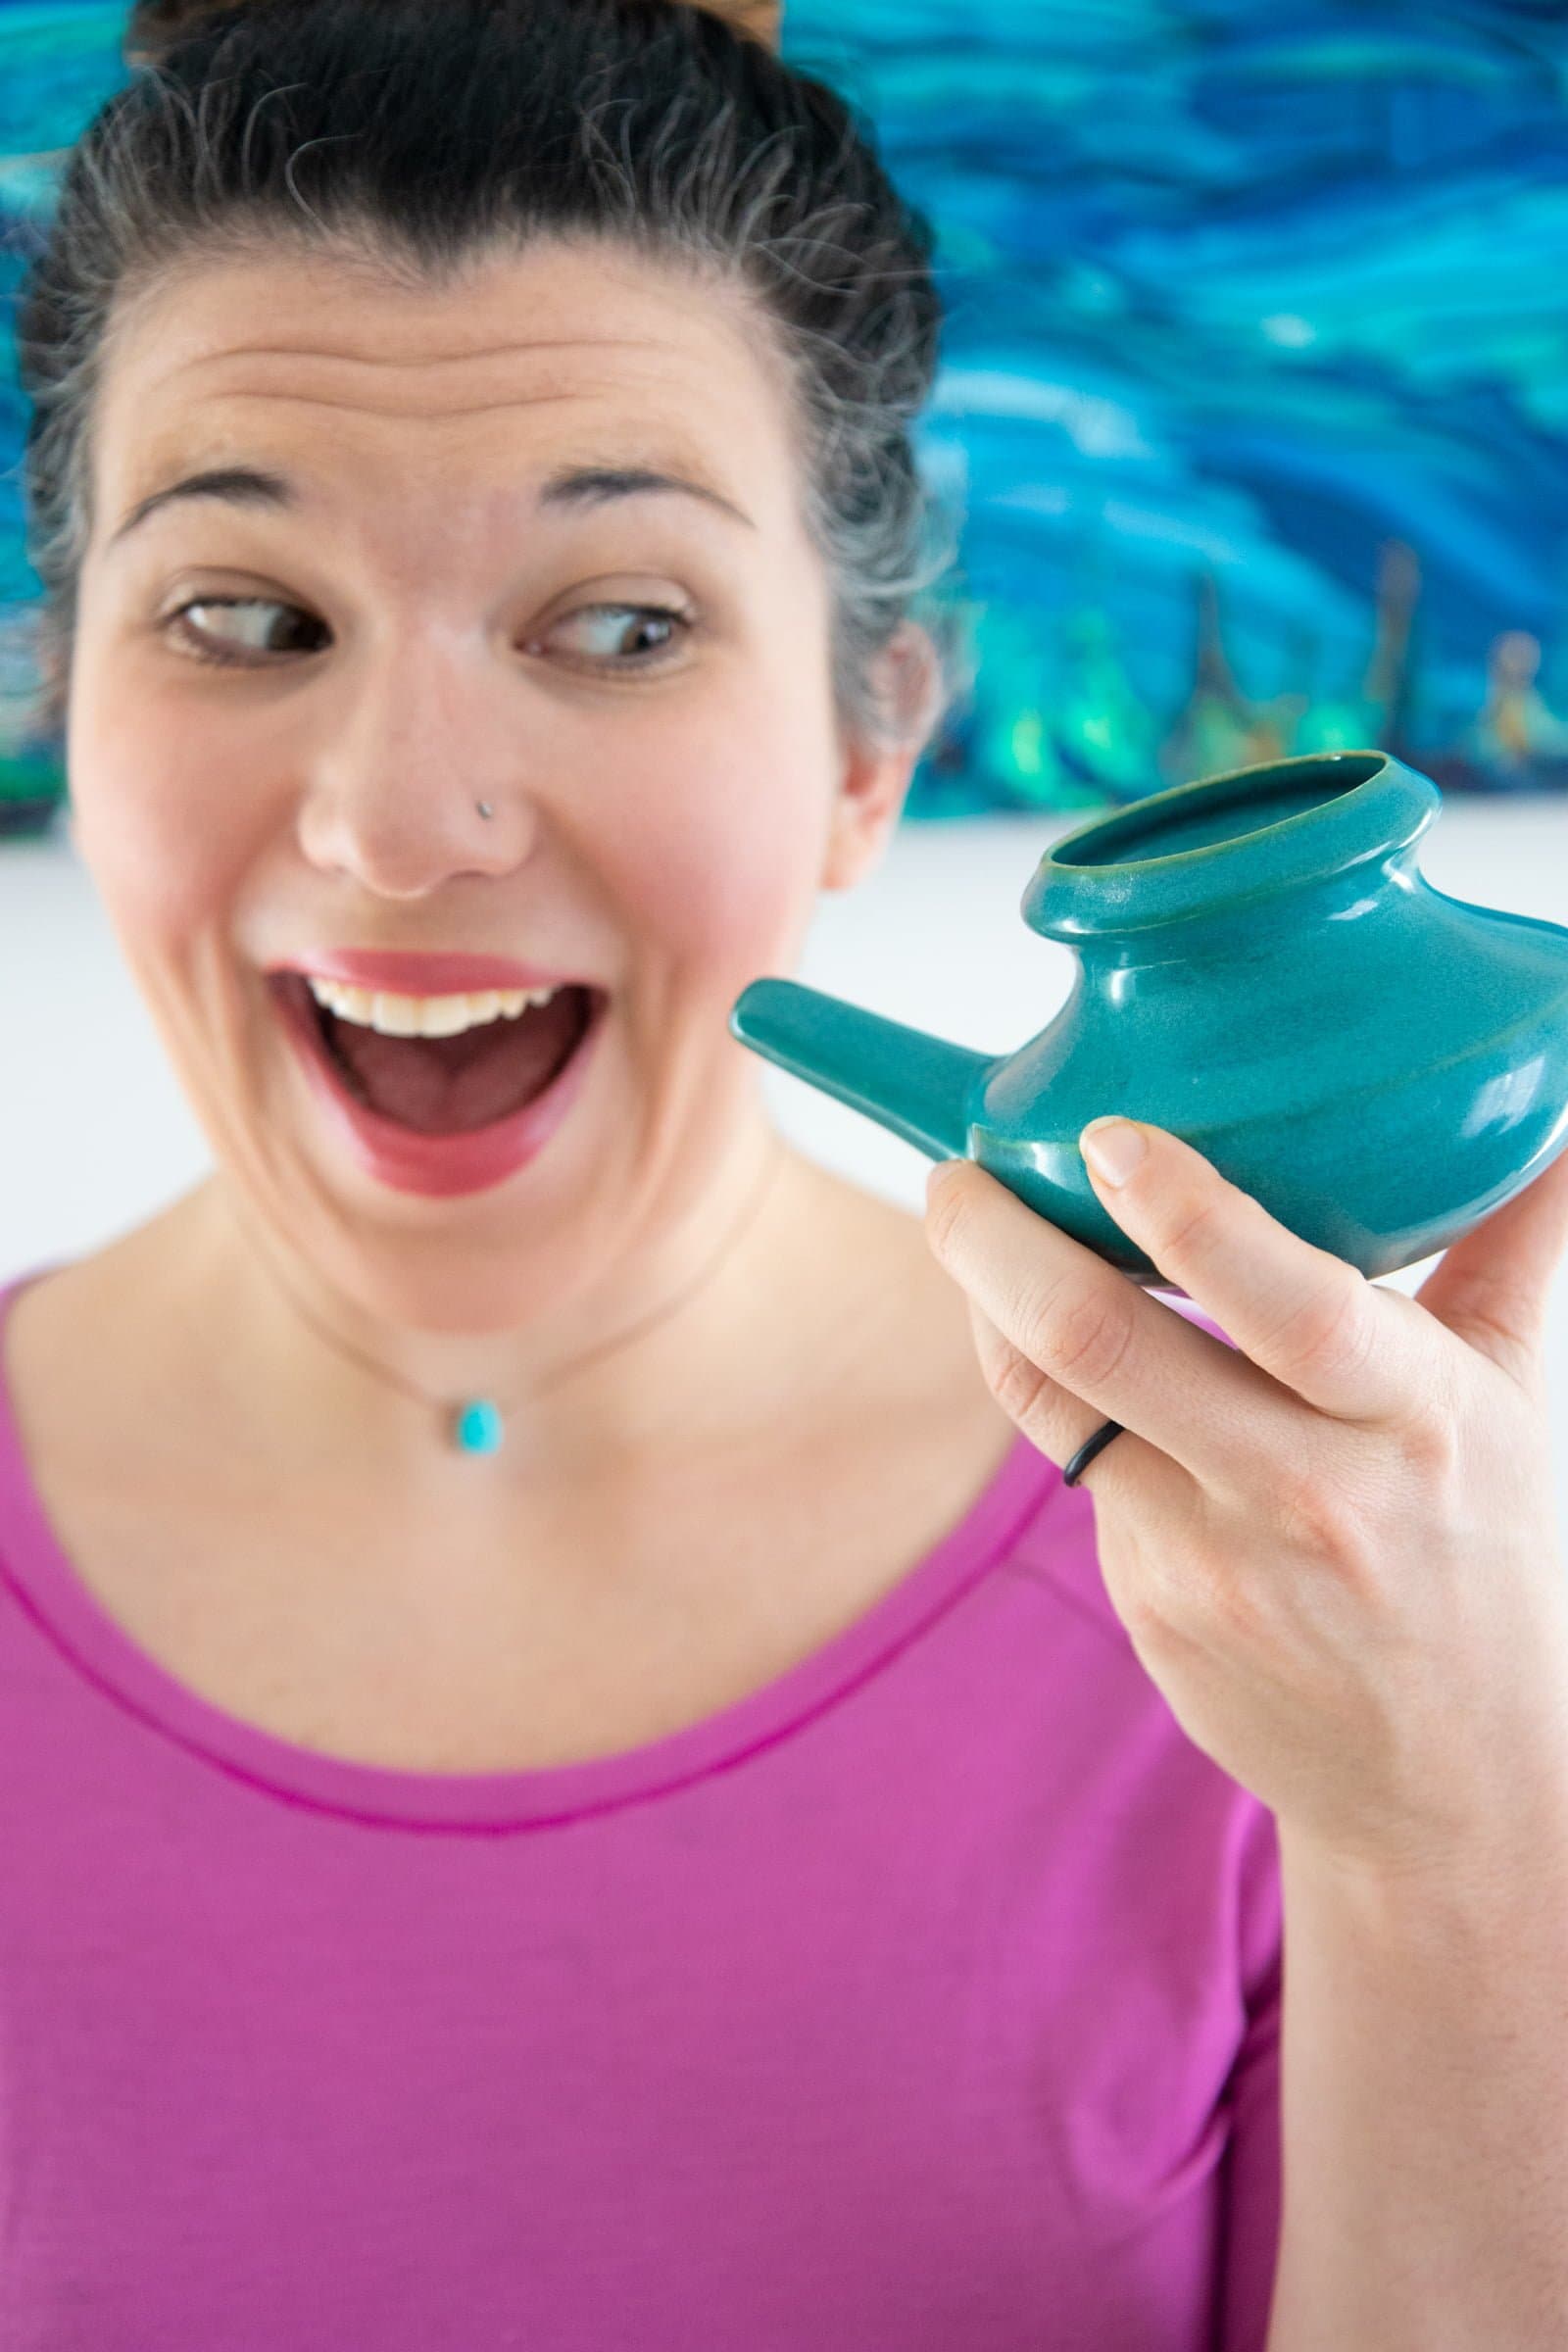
253, 651
251, 641
659, 616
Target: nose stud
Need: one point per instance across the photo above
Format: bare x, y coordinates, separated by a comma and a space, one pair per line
484, 808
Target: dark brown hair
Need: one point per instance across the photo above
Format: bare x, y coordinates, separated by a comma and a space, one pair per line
419, 132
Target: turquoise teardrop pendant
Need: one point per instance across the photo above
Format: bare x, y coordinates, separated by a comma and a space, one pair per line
478, 1428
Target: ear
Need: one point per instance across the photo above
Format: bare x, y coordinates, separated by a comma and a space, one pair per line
875, 777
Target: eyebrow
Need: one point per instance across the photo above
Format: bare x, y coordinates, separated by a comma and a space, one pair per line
570, 487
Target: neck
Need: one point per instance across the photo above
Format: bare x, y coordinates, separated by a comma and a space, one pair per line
702, 1330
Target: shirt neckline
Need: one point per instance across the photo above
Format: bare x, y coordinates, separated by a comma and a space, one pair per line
36, 1566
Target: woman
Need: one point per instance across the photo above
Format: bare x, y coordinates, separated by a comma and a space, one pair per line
577, 1775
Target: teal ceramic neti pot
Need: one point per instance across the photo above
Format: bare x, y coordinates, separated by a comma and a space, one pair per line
1263, 971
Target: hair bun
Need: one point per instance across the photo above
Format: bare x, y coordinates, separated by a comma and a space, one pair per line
760, 20
158, 26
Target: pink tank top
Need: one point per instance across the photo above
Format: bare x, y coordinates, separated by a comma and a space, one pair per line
924, 2001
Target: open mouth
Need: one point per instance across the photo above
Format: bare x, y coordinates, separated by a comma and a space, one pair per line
448, 1085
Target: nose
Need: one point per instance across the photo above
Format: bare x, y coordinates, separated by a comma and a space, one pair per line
406, 744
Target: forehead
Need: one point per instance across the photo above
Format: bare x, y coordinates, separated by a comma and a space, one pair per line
525, 352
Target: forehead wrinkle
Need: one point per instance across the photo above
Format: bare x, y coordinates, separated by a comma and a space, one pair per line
660, 361
445, 359
659, 435
363, 408
515, 395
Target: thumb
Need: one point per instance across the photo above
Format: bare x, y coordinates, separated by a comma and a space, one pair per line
1492, 1289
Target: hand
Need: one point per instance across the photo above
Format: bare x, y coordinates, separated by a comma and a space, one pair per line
1333, 1545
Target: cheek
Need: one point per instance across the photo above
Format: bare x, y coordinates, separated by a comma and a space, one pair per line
161, 830
718, 851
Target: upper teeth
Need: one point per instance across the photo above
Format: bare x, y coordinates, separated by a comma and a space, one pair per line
425, 1017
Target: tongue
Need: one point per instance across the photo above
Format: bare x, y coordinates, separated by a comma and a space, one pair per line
448, 1085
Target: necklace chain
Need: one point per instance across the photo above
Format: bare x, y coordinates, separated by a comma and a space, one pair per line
623, 1338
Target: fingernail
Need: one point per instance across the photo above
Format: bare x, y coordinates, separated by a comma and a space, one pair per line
937, 1177
1113, 1148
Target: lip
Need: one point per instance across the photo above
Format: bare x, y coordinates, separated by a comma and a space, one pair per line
407, 975
440, 1168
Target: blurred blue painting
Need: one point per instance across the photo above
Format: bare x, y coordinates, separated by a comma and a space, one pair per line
1254, 413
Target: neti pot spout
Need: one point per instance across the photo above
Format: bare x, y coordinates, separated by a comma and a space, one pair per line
921, 1088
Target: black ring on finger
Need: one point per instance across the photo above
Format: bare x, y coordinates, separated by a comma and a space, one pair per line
1087, 1451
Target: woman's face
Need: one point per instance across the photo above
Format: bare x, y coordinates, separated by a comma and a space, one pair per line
417, 623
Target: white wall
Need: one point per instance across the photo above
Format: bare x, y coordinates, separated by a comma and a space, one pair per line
94, 1135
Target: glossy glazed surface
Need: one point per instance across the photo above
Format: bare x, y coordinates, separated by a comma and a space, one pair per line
1263, 971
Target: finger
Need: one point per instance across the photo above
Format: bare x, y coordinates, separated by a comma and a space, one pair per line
1080, 1325
1493, 1286
1310, 1320
1057, 1423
